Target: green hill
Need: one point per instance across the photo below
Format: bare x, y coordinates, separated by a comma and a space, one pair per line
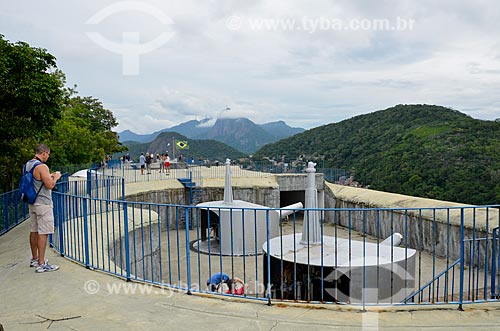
207, 149
420, 150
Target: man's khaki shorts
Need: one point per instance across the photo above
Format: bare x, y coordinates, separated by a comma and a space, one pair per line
42, 219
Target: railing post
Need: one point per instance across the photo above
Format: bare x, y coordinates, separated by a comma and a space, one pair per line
86, 233
188, 255
462, 259
60, 221
268, 260
97, 186
15, 200
127, 243
6, 208
89, 183
108, 189
123, 188
494, 263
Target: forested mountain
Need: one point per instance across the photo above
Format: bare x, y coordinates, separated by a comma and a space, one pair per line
280, 129
420, 150
127, 135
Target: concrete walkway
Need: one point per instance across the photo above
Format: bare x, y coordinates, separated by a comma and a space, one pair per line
91, 300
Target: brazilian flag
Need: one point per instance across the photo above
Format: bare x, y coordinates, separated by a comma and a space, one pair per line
181, 144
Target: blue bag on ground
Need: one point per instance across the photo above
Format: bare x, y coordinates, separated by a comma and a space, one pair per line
27, 185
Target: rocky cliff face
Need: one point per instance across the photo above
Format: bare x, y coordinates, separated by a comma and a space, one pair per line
240, 133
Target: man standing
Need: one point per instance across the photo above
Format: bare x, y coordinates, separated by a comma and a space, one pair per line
142, 162
41, 213
148, 162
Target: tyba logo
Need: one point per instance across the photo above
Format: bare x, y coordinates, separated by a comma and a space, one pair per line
130, 48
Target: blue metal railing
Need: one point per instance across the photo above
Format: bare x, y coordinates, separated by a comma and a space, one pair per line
181, 246
495, 257
132, 172
157, 243
438, 288
12, 211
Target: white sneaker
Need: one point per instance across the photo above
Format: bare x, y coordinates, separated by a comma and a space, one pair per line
47, 267
34, 262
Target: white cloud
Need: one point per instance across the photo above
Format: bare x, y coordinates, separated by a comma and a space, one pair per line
208, 123
305, 76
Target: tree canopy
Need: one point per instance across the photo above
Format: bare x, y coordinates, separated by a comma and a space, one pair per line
31, 97
36, 107
31, 91
83, 134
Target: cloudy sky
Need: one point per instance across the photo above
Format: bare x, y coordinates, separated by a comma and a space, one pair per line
156, 64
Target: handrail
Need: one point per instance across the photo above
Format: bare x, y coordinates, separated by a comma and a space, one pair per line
98, 228
495, 262
429, 283
12, 211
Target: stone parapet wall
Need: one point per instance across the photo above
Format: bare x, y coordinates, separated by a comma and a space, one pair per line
426, 224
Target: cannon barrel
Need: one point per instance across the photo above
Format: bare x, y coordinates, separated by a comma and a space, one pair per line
289, 210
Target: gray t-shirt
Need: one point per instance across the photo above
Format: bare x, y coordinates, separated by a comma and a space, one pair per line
45, 195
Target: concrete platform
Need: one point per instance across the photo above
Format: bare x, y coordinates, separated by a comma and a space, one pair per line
99, 301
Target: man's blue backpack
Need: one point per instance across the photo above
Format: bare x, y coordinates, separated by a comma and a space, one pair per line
27, 185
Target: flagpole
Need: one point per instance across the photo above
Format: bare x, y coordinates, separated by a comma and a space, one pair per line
173, 148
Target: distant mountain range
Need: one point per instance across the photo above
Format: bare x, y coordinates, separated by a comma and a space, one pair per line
239, 133
206, 149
